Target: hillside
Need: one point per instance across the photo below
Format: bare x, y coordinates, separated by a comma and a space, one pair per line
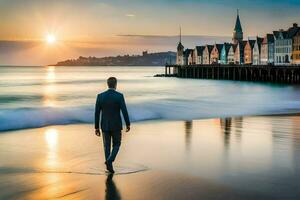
146, 59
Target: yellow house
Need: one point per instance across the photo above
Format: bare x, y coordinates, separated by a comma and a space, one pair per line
296, 49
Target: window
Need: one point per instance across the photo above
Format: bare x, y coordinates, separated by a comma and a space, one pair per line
286, 60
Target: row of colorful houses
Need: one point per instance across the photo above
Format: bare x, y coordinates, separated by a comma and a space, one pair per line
278, 48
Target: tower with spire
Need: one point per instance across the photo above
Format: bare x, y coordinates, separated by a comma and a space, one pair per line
180, 49
238, 31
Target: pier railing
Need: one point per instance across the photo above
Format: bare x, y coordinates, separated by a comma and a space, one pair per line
262, 73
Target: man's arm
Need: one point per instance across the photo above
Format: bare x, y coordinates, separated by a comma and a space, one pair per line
97, 115
125, 113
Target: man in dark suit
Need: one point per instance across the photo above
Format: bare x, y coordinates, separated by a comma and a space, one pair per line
109, 104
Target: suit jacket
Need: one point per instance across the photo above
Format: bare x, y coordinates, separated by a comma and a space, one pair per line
109, 104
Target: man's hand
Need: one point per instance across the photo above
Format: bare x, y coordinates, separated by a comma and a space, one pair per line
97, 132
127, 128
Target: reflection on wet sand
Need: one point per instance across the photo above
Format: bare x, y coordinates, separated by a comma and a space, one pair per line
232, 156
231, 126
226, 127
111, 191
188, 134
238, 121
296, 145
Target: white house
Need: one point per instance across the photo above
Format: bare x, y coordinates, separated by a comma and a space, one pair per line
198, 54
257, 51
283, 45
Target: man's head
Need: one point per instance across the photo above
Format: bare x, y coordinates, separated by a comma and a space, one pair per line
112, 82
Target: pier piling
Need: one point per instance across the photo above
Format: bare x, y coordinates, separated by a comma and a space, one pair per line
260, 73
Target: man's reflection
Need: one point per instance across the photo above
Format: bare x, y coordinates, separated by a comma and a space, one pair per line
188, 133
111, 192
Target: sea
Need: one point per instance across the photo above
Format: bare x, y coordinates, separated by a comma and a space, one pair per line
185, 132
39, 96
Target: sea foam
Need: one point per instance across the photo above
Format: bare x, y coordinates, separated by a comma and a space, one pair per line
21, 118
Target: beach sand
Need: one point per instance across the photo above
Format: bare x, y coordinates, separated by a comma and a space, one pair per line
233, 158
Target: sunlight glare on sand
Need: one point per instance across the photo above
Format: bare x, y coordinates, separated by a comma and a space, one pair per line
51, 139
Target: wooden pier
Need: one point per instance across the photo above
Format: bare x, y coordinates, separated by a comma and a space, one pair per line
258, 73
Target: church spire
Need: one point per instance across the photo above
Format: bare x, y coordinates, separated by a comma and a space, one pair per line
180, 49
180, 34
238, 26
238, 31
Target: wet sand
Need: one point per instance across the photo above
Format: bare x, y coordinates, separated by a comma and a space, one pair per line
233, 158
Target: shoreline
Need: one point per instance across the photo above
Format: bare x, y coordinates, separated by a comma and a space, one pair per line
296, 113
208, 158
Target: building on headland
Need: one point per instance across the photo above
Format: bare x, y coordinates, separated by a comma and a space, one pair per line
257, 51
280, 48
238, 34
215, 54
267, 50
198, 54
224, 54
296, 48
206, 54
145, 53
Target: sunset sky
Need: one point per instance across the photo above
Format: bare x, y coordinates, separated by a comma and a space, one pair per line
111, 27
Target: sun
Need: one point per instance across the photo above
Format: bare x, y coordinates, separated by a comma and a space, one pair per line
50, 38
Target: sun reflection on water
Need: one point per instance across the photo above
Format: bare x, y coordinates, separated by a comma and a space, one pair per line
50, 74
50, 87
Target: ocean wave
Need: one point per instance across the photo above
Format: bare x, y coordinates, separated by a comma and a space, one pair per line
21, 118
4, 99
167, 109
64, 82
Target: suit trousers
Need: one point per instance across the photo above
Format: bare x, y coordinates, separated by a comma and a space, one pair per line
111, 138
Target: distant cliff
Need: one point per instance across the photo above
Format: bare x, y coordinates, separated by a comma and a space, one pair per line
146, 59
